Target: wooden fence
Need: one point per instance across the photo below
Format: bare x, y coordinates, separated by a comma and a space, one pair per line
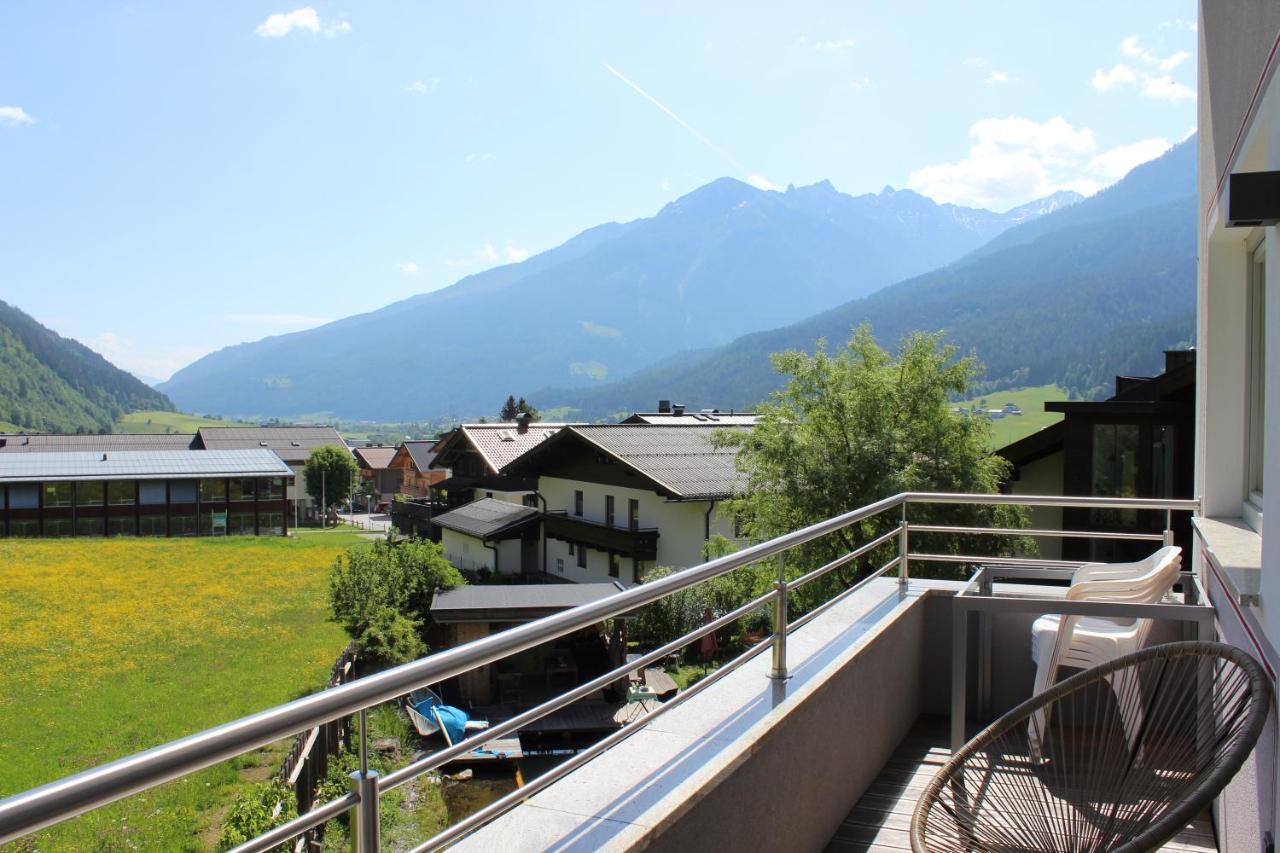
307, 763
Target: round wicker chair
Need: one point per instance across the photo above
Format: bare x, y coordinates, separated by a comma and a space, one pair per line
1200, 708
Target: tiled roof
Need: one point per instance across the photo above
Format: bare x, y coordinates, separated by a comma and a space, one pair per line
486, 518
500, 444
682, 459
140, 465
374, 458
43, 443
292, 443
422, 452
516, 602
694, 418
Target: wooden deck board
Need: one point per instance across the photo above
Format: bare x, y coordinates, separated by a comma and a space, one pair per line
881, 820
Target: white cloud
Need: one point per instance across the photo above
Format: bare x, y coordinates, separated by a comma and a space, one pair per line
305, 18
835, 44
424, 87
480, 157
1178, 24
665, 183
859, 85
514, 254
1115, 163
1165, 88
997, 77
1162, 87
14, 116
408, 267
1015, 160
1105, 81
760, 182
975, 62
488, 255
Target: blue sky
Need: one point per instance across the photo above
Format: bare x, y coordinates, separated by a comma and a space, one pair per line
175, 178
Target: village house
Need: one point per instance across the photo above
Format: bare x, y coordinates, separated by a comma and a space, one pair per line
379, 479
619, 499
413, 461
491, 535
477, 454
293, 444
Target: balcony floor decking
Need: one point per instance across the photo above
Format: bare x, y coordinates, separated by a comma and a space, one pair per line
881, 820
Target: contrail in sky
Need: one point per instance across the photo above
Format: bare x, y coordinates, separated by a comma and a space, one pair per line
651, 99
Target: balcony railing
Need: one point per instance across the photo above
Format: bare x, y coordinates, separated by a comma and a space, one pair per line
44, 806
640, 543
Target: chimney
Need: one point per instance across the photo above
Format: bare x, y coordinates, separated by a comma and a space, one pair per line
522, 422
104, 457
677, 409
664, 407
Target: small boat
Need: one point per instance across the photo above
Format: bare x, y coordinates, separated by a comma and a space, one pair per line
431, 716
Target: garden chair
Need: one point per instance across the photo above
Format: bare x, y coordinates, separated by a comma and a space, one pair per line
1203, 707
1085, 641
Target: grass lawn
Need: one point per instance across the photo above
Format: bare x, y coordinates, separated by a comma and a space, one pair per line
1033, 419
113, 646
161, 422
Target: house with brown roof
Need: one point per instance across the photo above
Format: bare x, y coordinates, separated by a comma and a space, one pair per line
620, 499
413, 461
378, 478
477, 454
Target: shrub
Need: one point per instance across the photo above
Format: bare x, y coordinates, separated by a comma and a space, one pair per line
255, 812
390, 637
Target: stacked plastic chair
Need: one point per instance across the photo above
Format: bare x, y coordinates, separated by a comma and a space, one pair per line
1095, 788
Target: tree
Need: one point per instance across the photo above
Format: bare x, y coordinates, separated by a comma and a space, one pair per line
330, 475
856, 426
513, 407
381, 596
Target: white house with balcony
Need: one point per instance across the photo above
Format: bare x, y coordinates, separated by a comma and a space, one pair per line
619, 499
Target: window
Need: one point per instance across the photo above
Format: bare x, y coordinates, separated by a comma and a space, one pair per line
635, 570
89, 494
242, 490
577, 503
120, 526
151, 492
1257, 355
1115, 471
608, 510
582, 558
182, 491
633, 514
271, 490
120, 492
89, 525
58, 527
182, 525
560, 565
613, 565
151, 525
213, 491
488, 494
24, 527
271, 523
58, 494
570, 549
24, 496
240, 524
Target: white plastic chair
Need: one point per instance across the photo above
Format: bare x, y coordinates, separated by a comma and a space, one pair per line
1088, 641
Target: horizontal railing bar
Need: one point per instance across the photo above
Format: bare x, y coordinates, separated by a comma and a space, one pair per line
827, 605
298, 825
1066, 501
1083, 608
436, 759
840, 561
1026, 531
995, 561
498, 807
65, 798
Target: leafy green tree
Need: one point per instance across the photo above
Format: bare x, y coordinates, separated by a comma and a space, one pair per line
255, 812
508, 411
330, 475
381, 595
858, 425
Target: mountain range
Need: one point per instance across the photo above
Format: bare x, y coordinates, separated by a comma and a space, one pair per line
49, 383
1075, 297
725, 260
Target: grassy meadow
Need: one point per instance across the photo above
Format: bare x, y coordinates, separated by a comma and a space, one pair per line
1033, 419
163, 422
111, 646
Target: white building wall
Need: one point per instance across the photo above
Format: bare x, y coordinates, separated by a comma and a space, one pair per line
465, 552
681, 527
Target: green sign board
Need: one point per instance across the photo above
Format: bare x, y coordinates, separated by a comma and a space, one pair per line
219, 522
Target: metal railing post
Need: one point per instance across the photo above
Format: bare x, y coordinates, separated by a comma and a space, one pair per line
1168, 527
779, 669
365, 824
904, 573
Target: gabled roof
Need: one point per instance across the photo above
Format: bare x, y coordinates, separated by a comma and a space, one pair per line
44, 442
374, 458
694, 418
487, 518
515, 602
140, 465
498, 444
423, 452
293, 444
682, 461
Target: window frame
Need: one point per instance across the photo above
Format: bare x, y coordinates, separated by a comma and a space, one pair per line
1256, 356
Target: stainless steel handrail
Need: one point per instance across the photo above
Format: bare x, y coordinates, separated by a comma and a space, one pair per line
48, 804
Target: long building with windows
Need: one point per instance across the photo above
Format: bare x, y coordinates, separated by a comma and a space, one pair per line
144, 493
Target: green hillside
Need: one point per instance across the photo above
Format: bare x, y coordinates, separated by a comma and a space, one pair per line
49, 383
164, 422
1033, 418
